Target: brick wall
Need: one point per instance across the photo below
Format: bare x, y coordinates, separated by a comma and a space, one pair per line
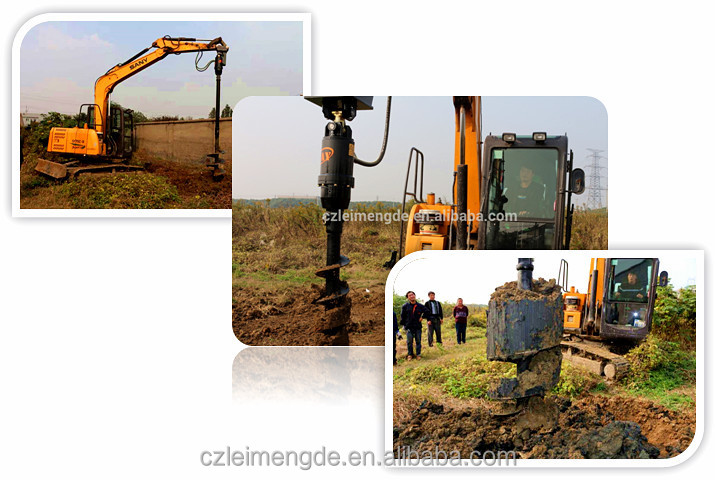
186, 141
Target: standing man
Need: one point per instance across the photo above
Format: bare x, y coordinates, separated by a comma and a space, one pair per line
434, 319
460, 313
411, 319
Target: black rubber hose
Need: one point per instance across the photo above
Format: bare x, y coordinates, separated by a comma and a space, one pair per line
384, 139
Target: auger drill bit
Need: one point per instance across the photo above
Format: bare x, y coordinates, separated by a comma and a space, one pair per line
213, 160
335, 182
524, 326
337, 159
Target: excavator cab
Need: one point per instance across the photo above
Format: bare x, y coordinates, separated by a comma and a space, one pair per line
620, 300
616, 312
120, 143
509, 192
630, 286
526, 204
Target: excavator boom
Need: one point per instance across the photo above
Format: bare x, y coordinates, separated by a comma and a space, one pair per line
162, 47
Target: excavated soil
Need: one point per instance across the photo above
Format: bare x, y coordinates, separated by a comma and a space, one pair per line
258, 321
510, 291
590, 427
195, 183
522, 323
540, 376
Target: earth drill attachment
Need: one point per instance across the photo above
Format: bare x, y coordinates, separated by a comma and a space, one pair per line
213, 160
337, 158
524, 326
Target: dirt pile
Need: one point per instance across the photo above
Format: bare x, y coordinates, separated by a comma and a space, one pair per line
670, 431
196, 186
510, 291
298, 321
592, 427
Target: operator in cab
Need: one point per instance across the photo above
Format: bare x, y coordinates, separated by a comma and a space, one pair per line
527, 198
632, 289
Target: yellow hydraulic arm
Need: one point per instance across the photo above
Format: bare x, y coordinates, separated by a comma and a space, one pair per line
161, 48
468, 149
435, 232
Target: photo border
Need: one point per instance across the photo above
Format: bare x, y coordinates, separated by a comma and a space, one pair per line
698, 255
305, 18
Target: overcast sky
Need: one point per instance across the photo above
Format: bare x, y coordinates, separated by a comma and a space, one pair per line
474, 275
283, 135
60, 62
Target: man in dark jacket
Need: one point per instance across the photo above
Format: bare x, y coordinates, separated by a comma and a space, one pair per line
411, 320
434, 317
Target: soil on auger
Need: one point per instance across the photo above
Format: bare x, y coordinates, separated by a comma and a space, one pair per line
542, 289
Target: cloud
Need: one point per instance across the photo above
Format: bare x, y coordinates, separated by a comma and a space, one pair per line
55, 94
52, 38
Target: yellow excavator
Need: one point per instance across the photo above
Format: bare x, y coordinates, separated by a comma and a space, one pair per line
103, 140
615, 314
509, 192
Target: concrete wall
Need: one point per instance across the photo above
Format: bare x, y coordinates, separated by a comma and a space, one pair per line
186, 141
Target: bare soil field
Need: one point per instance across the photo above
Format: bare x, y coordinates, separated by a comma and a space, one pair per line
163, 184
594, 426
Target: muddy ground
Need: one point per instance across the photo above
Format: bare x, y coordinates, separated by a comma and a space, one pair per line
262, 321
195, 183
593, 426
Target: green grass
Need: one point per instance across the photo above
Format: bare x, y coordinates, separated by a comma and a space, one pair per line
663, 386
459, 371
121, 190
574, 381
663, 372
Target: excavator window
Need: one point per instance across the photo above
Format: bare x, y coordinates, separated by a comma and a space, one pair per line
522, 196
87, 115
528, 178
630, 279
128, 141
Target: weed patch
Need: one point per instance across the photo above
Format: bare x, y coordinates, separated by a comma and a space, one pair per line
120, 191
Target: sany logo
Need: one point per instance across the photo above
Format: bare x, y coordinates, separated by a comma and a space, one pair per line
325, 154
140, 62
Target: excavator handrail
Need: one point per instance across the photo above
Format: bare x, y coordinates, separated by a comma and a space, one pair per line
419, 172
563, 272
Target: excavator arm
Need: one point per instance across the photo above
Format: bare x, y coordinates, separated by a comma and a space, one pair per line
468, 149
144, 59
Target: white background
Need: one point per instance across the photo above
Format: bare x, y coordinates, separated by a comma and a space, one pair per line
116, 350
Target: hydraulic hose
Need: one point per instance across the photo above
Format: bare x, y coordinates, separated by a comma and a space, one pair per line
384, 139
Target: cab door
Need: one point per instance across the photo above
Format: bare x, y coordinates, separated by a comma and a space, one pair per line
128, 134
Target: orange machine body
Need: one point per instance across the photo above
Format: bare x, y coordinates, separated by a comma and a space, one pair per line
105, 121
433, 233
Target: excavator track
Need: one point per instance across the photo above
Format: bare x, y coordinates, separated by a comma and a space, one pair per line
595, 357
62, 171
